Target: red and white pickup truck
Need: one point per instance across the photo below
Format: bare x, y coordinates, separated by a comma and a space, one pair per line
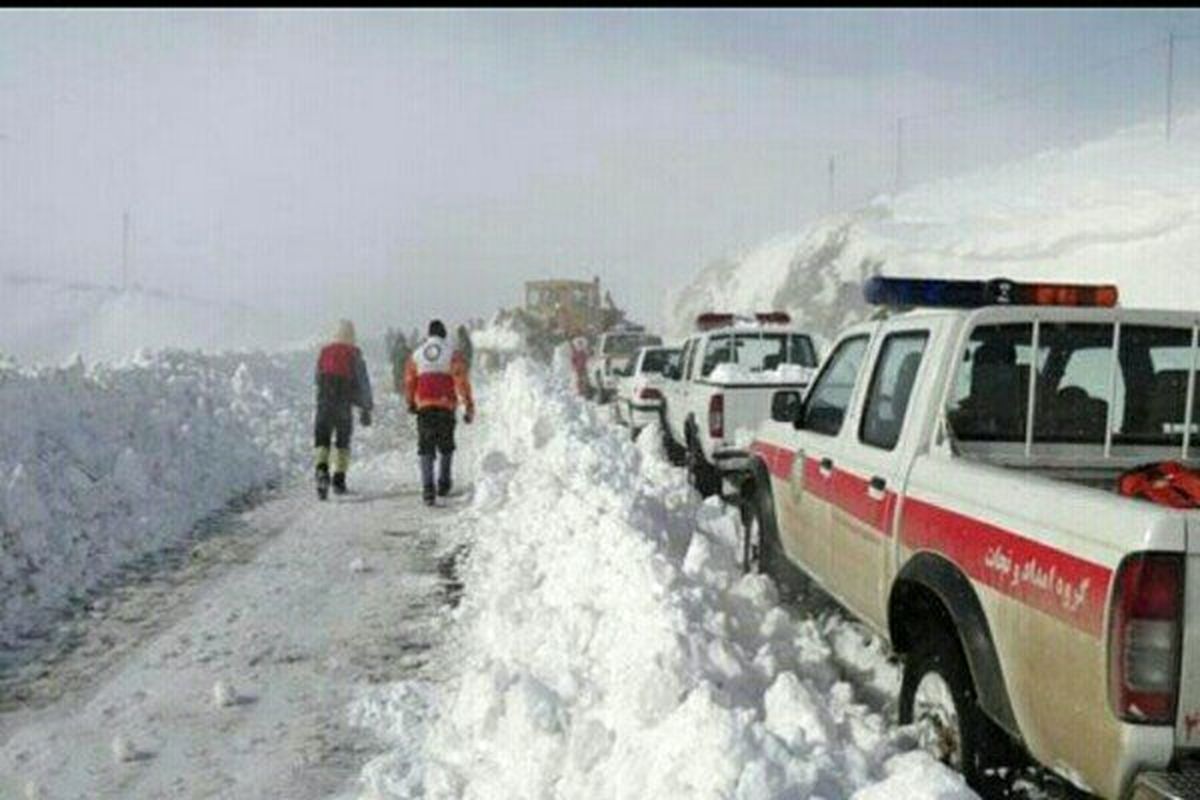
950, 478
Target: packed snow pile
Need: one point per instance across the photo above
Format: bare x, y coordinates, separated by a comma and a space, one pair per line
498, 337
105, 464
1125, 209
611, 647
737, 373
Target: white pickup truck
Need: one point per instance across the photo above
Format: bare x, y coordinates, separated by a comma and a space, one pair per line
951, 478
730, 370
614, 351
639, 389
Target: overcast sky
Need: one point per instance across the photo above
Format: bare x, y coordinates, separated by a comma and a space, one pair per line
392, 165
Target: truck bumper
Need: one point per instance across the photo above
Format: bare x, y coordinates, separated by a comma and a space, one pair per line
732, 460
641, 416
1173, 785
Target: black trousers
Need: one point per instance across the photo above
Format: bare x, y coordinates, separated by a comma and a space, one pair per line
435, 431
334, 421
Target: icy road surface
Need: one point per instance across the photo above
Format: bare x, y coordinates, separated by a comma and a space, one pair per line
230, 675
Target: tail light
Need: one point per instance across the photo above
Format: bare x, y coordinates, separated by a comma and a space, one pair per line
1144, 638
716, 416
649, 393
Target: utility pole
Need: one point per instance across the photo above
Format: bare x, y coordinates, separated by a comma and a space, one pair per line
831, 193
899, 152
125, 251
1170, 79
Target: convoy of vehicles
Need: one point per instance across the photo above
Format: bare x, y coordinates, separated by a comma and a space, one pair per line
729, 371
613, 355
951, 477
639, 389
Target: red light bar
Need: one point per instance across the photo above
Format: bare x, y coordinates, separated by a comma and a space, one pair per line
1065, 294
711, 319
774, 317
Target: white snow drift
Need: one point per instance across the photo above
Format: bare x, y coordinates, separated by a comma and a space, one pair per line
1125, 209
105, 464
611, 648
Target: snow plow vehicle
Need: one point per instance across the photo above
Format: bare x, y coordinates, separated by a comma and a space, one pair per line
730, 370
953, 477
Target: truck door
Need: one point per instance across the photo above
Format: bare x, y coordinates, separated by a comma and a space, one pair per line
805, 507
868, 480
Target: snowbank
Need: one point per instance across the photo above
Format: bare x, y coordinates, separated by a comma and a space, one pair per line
611, 648
498, 337
105, 464
784, 373
1122, 209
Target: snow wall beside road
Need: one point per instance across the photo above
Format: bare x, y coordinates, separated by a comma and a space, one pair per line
611, 648
103, 465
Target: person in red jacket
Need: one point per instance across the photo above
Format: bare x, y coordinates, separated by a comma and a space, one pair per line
342, 383
435, 382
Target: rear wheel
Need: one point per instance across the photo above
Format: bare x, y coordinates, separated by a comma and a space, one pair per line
704, 476
937, 694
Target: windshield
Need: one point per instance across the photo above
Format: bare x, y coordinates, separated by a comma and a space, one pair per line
1091, 382
657, 360
759, 352
626, 344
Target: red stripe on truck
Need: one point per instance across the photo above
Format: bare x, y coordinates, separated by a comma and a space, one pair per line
1050, 580
778, 460
850, 493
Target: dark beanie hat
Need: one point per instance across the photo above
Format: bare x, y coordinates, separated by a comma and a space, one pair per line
436, 328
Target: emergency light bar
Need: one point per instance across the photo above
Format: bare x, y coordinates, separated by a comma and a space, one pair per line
711, 319
882, 291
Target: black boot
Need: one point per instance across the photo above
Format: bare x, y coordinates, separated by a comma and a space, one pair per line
322, 482
339, 483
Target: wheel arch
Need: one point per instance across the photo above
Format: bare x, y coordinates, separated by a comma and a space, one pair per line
931, 584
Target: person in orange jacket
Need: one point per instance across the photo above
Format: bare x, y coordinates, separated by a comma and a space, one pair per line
435, 382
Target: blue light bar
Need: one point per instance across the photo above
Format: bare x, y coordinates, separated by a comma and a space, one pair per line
882, 291
975, 294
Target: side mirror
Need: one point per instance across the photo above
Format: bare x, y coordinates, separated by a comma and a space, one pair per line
786, 406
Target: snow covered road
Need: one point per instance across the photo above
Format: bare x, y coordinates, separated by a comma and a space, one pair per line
237, 683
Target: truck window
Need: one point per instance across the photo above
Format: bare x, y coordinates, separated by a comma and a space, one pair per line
689, 351
766, 352
1075, 384
991, 392
891, 387
825, 408
719, 350
656, 360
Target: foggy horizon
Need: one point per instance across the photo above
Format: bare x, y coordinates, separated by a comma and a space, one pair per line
393, 165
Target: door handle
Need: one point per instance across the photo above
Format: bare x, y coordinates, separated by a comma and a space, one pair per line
826, 467
877, 488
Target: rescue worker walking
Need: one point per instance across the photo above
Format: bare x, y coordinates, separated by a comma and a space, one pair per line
435, 382
342, 383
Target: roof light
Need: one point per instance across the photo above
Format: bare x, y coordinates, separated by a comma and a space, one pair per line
974, 294
712, 319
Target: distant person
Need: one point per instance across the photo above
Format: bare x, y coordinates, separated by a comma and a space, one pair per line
463, 342
435, 382
399, 352
342, 383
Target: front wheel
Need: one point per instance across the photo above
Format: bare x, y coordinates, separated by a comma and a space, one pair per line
937, 694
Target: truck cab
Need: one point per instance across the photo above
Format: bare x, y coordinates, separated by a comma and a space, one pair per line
613, 356
951, 478
731, 370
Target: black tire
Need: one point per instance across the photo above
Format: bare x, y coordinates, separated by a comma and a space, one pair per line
704, 476
968, 745
766, 555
